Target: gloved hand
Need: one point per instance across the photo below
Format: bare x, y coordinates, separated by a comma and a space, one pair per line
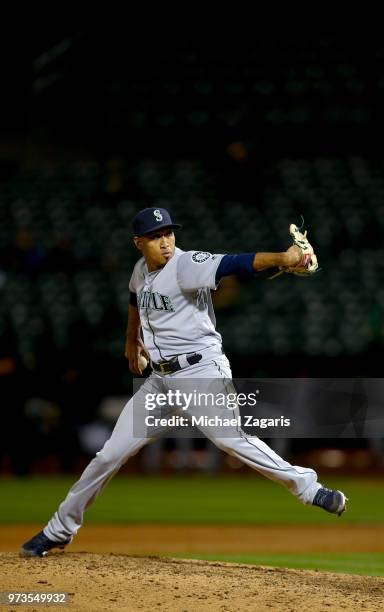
308, 264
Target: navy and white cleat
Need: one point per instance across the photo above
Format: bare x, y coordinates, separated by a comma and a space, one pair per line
39, 545
330, 500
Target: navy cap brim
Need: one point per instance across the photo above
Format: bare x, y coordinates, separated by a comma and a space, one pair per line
158, 226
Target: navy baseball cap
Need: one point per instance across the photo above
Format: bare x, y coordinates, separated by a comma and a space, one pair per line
149, 220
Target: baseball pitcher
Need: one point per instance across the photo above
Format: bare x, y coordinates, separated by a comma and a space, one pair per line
171, 321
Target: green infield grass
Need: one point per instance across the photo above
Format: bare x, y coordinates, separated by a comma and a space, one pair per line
188, 499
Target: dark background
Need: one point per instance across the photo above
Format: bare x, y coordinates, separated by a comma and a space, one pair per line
237, 138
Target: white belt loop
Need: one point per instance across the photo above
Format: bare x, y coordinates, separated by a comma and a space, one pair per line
183, 363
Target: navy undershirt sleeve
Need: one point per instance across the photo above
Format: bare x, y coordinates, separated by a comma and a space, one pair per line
240, 265
133, 299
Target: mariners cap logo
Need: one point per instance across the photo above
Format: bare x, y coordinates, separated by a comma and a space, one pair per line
200, 256
158, 216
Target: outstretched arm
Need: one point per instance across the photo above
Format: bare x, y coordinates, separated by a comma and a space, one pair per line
248, 263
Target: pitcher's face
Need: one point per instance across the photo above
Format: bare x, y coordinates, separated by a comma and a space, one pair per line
157, 248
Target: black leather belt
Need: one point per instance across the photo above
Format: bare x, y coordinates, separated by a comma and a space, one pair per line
173, 365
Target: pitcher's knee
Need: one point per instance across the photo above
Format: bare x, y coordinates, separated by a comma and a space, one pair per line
110, 455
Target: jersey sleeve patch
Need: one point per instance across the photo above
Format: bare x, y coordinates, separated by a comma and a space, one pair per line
200, 256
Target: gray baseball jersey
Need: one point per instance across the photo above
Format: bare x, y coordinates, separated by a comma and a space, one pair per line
175, 306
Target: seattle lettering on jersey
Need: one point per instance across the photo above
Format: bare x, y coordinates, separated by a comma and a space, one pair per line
155, 301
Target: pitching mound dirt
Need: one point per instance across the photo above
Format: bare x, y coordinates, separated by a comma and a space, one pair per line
119, 582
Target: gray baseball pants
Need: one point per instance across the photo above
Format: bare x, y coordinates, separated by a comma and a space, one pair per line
126, 442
